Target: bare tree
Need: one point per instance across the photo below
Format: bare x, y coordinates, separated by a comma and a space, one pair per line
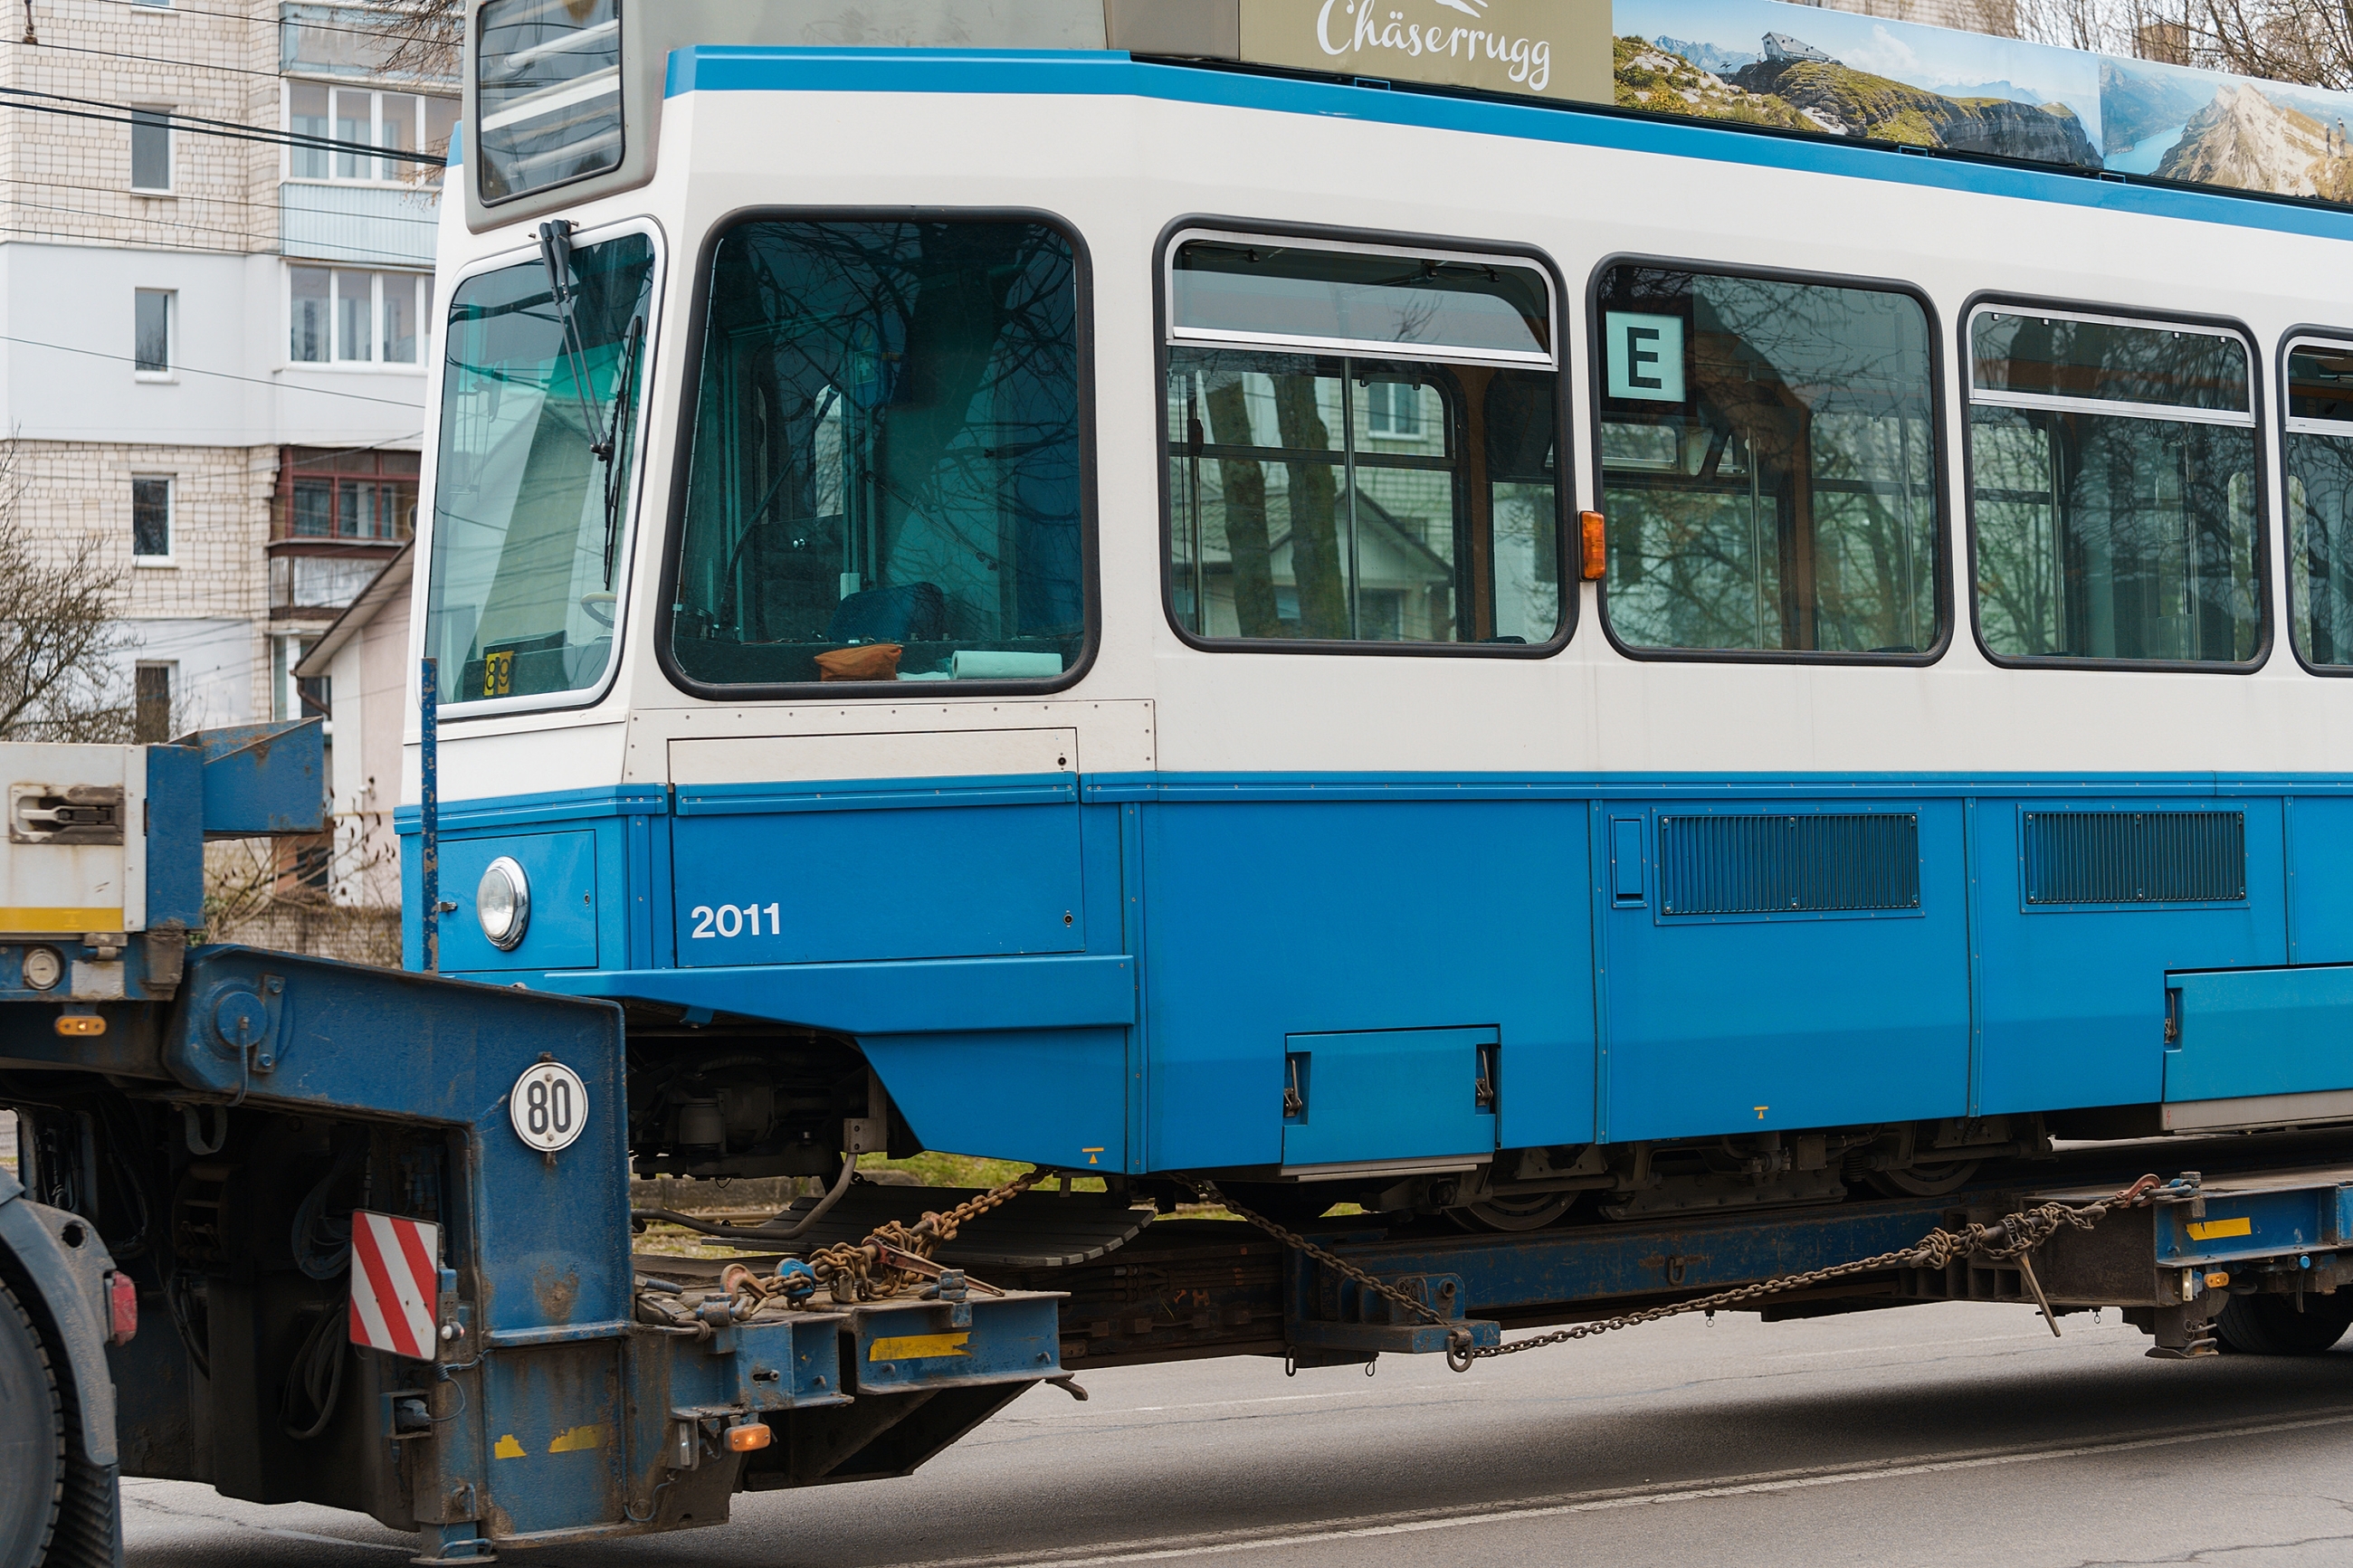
60, 631
2309, 42
423, 38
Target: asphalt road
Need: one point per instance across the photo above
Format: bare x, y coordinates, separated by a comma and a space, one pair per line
1950, 1434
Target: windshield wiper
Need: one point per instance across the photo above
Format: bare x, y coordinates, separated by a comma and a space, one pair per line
622, 387
555, 252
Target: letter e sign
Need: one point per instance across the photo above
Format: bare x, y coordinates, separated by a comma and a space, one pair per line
1646, 356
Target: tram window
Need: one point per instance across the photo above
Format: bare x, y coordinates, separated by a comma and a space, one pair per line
1362, 446
1768, 466
2113, 491
886, 479
528, 517
2319, 451
548, 94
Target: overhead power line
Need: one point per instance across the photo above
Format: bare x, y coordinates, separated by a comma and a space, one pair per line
217, 375
53, 102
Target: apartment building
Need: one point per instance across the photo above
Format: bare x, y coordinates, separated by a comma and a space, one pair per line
212, 343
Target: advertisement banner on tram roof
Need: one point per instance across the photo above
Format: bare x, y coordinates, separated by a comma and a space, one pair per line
1550, 49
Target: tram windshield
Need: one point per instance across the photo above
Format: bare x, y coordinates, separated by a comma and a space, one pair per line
528, 513
886, 479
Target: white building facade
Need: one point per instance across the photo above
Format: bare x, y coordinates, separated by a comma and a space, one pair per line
212, 343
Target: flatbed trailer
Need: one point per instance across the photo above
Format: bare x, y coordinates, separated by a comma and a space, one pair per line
312, 1231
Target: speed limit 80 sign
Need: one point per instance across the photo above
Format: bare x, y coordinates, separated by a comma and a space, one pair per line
549, 1106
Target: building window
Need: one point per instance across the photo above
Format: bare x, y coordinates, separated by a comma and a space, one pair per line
398, 123
151, 330
1393, 408
152, 697
293, 695
150, 150
312, 334
363, 495
340, 315
151, 519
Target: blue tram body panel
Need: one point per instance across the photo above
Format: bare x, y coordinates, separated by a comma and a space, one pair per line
1278, 914
1791, 1004
2073, 992
1630, 959
876, 870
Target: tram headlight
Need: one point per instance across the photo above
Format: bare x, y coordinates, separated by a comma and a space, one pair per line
502, 904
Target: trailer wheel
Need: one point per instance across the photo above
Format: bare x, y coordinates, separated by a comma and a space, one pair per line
2270, 1325
32, 1438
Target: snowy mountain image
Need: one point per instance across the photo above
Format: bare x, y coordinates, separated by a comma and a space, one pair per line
2244, 139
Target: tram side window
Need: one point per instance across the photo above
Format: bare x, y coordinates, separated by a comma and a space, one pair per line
1361, 447
1768, 466
2319, 451
2113, 491
886, 478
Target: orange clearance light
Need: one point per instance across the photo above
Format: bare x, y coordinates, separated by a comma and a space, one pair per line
81, 1024
750, 1436
1596, 545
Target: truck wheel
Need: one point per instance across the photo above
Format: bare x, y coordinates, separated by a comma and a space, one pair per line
32, 1439
2270, 1325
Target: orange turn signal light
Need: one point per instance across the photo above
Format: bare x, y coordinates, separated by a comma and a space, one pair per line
750, 1436
1594, 538
81, 1024
2217, 1280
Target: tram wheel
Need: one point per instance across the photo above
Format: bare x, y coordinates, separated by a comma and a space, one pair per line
32, 1438
2270, 1325
1533, 1211
1924, 1181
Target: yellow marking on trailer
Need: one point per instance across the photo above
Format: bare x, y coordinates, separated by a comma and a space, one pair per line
1762, 1111
917, 1347
1091, 1154
37, 919
578, 1439
507, 1448
2216, 1230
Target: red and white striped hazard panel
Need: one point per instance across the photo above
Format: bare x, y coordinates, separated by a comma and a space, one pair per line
395, 1273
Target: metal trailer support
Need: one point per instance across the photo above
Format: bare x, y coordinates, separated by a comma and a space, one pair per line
503, 1393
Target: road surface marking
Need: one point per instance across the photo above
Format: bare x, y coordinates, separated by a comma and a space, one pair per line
1225, 1542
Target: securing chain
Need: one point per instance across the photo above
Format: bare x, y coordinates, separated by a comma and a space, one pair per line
888, 1260
2011, 1237
1209, 1194
895, 1256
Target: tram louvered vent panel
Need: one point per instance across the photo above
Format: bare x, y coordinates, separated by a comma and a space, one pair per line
2135, 856
1780, 864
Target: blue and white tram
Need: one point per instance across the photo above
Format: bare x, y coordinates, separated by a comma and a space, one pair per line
1057, 590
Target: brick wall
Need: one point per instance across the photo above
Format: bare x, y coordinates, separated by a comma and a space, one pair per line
67, 179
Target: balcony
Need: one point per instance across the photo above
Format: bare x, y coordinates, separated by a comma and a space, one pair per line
335, 518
